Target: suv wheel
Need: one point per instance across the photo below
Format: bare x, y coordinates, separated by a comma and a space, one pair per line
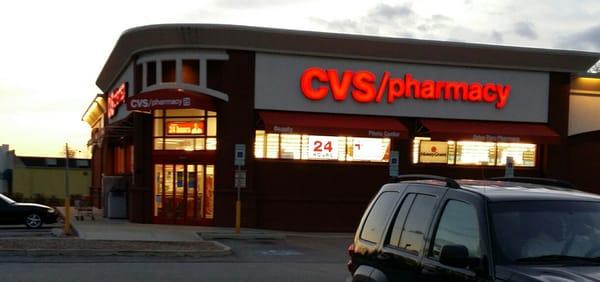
33, 220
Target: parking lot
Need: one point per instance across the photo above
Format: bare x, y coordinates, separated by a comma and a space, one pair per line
21, 232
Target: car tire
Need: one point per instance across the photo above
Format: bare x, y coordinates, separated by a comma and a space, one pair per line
33, 220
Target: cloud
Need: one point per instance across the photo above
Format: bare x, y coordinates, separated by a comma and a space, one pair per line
241, 4
383, 19
588, 39
526, 30
346, 25
436, 22
440, 18
388, 12
497, 36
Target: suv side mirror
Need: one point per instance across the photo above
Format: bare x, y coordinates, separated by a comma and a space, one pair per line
456, 256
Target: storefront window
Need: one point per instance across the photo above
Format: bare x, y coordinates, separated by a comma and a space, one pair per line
423, 153
475, 153
318, 147
290, 146
123, 159
191, 71
367, 149
185, 129
259, 144
522, 154
272, 146
168, 71
472, 152
150, 73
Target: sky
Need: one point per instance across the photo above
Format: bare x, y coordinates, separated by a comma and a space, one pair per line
51, 52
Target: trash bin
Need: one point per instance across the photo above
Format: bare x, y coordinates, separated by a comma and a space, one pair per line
114, 194
116, 204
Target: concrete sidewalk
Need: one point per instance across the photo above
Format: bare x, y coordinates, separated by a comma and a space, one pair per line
121, 229
119, 237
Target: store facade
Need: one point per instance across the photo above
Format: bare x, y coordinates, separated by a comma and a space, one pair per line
312, 124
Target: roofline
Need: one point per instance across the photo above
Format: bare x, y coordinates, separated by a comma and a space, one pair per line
94, 101
587, 75
259, 39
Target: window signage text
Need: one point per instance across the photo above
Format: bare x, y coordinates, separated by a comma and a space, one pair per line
494, 138
116, 98
185, 127
433, 152
322, 147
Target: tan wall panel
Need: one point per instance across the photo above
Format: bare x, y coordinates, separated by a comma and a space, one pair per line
583, 114
50, 181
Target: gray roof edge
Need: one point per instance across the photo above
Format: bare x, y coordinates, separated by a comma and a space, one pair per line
116, 63
334, 35
587, 75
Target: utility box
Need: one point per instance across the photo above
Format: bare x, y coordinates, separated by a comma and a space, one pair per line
114, 195
116, 204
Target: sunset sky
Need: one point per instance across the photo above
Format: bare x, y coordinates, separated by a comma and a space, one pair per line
51, 52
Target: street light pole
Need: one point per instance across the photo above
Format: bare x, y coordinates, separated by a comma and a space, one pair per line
67, 227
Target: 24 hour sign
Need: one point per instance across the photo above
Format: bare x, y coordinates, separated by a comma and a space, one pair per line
362, 87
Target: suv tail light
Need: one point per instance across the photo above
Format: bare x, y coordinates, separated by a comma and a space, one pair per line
351, 249
351, 265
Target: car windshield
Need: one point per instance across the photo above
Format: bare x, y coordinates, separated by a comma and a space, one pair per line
545, 231
6, 199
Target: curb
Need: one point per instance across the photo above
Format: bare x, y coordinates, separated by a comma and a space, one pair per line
321, 236
83, 252
241, 236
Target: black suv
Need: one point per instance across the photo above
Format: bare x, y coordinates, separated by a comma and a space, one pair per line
431, 228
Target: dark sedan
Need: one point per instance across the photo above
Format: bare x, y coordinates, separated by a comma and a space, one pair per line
32, 215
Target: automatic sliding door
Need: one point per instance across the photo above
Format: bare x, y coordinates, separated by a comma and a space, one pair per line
179, 192
159, 190
209, 191
169, 193
190, 193
200, 192
183, 193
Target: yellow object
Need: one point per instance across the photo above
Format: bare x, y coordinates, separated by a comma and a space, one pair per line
68, 216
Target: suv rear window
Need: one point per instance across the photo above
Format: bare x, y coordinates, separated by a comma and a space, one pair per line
380, 212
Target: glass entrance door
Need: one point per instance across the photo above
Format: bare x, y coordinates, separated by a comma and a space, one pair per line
183, 193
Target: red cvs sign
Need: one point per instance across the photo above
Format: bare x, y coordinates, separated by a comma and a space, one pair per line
116, 98
362, 87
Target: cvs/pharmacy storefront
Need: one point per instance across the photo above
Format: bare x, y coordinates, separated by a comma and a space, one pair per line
321, 120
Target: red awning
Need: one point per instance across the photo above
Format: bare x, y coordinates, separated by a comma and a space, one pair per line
328, 124
490, 131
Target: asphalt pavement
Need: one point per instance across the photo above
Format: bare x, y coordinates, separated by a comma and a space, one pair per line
21, 232
295, 258
109, 250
